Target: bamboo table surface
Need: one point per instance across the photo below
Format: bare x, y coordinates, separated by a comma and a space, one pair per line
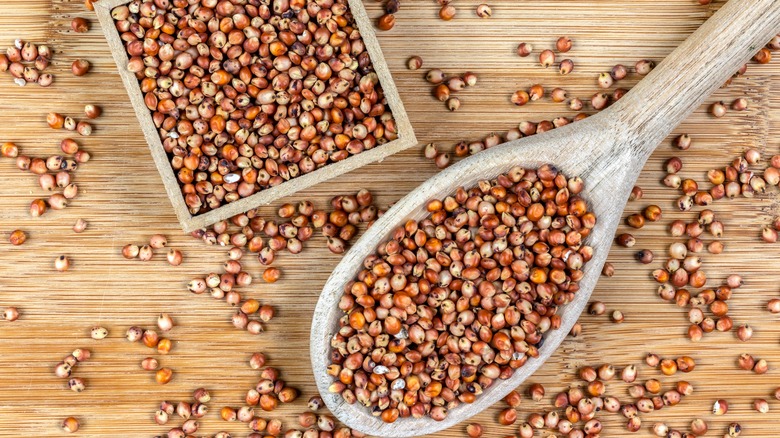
121, 197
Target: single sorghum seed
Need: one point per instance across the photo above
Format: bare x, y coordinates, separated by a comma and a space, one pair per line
683, 141
597, 308
174, 257
644, 256
761, 366
62, 263
720, 407
164, 346
79, 25
76, 384
608, 270
652, 360
10, 314
563, 44
605, 80
150, 364
699, 427
70, 425
635, 221
520, 97
257, 361
98, 333
746, 362
740, 104
447, 12
145, 253
80, 67
386, 22
744, 333
629, 374
513, 399
668, 367
507, 417
84, 129
599, 101
718, 109
644, 66
566, 66
271, 275
764, 56
37, 207
435, 76
660, 430
392, 6
161, 417
165, 322
536, 391
315, 403
547, 58
474, 430
45, 80
484, 11
430, 151
619, 72
524, 49
684, 388
163, 376
414, 63
158, 241
636, 193
81, 354
761, 405
150, 338
17, 237
769, 234
10, 150
558, 95
70, 124
652, 213
653, 386
673, 165
617, 316
134, 334
92, 111
536, 92
470, 78
130, 251
441, 92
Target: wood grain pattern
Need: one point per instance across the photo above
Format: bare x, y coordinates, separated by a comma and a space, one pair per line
405, 140
607, 151
122, 198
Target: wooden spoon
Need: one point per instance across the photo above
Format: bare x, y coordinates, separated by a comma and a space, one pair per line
607, 151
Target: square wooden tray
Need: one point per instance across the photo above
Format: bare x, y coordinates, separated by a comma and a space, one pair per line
406, 137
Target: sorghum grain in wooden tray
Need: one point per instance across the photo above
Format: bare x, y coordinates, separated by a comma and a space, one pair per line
245, 101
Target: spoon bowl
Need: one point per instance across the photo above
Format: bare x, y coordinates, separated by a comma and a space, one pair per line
607, 151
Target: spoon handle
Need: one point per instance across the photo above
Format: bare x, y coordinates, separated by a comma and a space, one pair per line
698, 67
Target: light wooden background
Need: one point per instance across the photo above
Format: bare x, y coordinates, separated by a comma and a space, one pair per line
122, 198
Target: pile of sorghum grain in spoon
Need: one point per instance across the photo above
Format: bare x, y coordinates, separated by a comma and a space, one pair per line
247, 95
463, 297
